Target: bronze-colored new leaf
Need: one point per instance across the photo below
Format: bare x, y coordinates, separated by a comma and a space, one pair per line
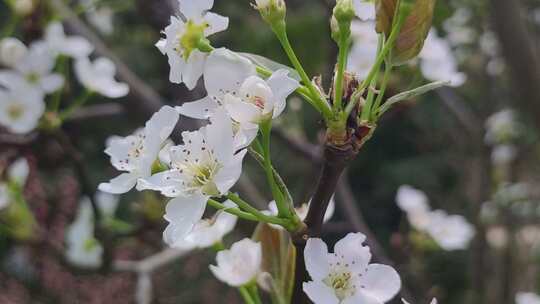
414, 31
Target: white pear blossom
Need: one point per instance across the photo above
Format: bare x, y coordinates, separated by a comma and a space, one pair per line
346, 276
35, 68
82, 249
21, 107
136, 153
98, 76
451, 232
207, 232
527, 298
231, 82
204, 166
12, 51
437, 62
186, 60
364, 50
364, 9
70, 46
415, 203
239, 265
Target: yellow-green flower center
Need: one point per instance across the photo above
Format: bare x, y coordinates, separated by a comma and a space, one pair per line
341, 282
191, 37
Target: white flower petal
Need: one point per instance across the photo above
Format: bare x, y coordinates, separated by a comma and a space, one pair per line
200, 109
182, 213
282, 86
19, 171
120, 184
52, 83
225, 72
319, 293
316, 259
381, 282
217, 23
195, 9
193, 69
229, 175
353, 252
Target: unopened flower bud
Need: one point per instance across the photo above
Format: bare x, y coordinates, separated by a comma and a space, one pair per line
23, 7
417, 15
272, 11
344, 11
12, 50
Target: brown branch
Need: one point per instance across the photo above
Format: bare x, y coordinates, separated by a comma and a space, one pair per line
97, 111
519, 51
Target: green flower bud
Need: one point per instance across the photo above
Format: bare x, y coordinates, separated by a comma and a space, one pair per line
344, 11
418, 16
272, 11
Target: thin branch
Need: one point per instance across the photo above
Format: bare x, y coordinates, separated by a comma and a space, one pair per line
97, 111
151, 263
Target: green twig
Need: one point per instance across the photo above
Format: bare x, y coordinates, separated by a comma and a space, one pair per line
234, 211
344, 43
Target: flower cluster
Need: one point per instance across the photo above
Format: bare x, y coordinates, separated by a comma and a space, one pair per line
33, 73
451, 232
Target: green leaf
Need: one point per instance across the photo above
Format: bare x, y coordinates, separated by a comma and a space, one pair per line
279, 257
270, 64
410, 94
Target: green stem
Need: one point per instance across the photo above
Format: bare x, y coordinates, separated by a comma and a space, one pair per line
80, 101
382, 55
259, 215
234, 211
254, 293
386, 77
321, 104
244, 292
344, 44
283, 208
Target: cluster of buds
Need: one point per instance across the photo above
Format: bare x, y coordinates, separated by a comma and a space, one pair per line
272, 11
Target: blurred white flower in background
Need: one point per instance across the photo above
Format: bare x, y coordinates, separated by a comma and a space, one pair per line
21, 107
459, 32
12, 51
100, 16
502, 155
82, 249
98, 77
364, 9
23, 7
346, 276
186, 61
17, 175
437, 61
415, 204
136, 153
18, 171
503, 127
364, 49
207, 232
451, 232
497, 237
35, 68
527, 298
71, 46
239, 265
